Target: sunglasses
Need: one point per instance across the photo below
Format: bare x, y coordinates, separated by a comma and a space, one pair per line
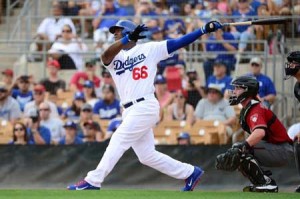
3, 90
255, 64
44, 109
86, 110
18, 129
67, 31
212, 91
24, 82
179, 96
38, 93
89, 66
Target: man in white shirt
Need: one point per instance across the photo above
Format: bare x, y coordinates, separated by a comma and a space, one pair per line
54, 124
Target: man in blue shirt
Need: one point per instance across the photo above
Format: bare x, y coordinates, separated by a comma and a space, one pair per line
23, 95
267, 92
108, 107
71, 134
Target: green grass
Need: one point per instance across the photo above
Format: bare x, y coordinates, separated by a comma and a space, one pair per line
138, 194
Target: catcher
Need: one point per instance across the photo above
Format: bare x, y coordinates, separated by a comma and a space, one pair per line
268, 143
292, 70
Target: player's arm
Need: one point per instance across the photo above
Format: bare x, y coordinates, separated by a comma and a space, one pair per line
175, 44
256, 136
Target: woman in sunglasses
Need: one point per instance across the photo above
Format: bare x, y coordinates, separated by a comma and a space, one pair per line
68, 49
19, 134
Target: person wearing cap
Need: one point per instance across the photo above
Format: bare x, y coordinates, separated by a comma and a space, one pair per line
54, 124
112, 126
157, 34
37, 133
174, 27
179, 110
144, 12
108, 107
8, 77
162, 93
267, 91
89, 92
73, 112
92, 132
220, 77
77, 80
184, 138
23, 94
39, 96
71, 137
9, 107
215, 107
86, 115
53, 84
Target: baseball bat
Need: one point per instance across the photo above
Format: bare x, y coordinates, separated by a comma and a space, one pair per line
258, 22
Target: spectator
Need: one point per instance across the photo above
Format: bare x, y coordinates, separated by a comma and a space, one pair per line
39, 97
50, 28
144, 12
112, 126
86, 115
37, 133
128, 6
101, 25
77, 80
68, 50
220, 78
92, 131
53, 84
23, 95
8, 77
224, 47
71, 134
73, 112
174, 26
55, 125
267, 92
9, 107
214, 107
89, 92
108, 107
193, 88
163, 96
179, 110
184, 138
19, 134
157, 34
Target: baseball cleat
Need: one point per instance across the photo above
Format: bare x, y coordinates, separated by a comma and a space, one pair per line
297, 189
268, 187
82, 185
193, 180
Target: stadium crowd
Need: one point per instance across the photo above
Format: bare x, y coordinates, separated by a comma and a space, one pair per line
60, 111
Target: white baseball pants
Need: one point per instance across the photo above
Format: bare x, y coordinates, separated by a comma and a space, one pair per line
136, 131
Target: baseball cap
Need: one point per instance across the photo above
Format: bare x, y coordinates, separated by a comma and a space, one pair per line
70, 124
219, 62
183, 135
91, 62
8, 72
24, 77
175, 9
215, 87
88, 84
256, 60
159, 79
39, 88
79, 95
86, 107
54, 63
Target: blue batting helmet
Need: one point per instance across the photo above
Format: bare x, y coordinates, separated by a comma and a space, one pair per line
126, 25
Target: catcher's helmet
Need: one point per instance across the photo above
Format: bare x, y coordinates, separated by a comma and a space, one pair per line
251, 86
126, 25
292, 65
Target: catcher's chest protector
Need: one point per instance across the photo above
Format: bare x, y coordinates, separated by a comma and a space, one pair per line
243, 115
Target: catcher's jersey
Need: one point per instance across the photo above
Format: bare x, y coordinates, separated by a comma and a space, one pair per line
134, 70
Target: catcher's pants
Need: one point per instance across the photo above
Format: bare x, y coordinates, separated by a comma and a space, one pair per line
136, 131
273, 155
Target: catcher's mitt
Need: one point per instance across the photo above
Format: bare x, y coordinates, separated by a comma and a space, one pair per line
229, 161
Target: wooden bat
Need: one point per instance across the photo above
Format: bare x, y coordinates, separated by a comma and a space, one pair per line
258, 22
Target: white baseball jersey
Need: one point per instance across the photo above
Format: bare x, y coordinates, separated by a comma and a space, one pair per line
134, 70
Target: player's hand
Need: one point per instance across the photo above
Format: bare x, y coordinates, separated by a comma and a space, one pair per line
135, 35
244, 147
212, 26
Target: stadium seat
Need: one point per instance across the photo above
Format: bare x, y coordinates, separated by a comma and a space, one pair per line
6, 132
166, 132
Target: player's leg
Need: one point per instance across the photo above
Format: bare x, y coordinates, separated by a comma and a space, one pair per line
145, 150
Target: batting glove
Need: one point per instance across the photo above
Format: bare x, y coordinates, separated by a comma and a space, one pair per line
211, 26
135, 35
244, 147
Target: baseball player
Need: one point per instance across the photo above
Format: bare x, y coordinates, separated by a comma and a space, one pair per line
133, 68
268, 143
292, 69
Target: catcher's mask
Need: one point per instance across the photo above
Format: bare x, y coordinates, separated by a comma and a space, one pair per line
292, 65
250, 86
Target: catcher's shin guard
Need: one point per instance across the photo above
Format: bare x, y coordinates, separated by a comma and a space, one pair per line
250, 169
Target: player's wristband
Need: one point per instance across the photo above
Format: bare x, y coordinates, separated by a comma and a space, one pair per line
202, 29
125, 40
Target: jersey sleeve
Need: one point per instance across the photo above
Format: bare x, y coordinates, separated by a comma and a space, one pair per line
158, 50
256, 118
